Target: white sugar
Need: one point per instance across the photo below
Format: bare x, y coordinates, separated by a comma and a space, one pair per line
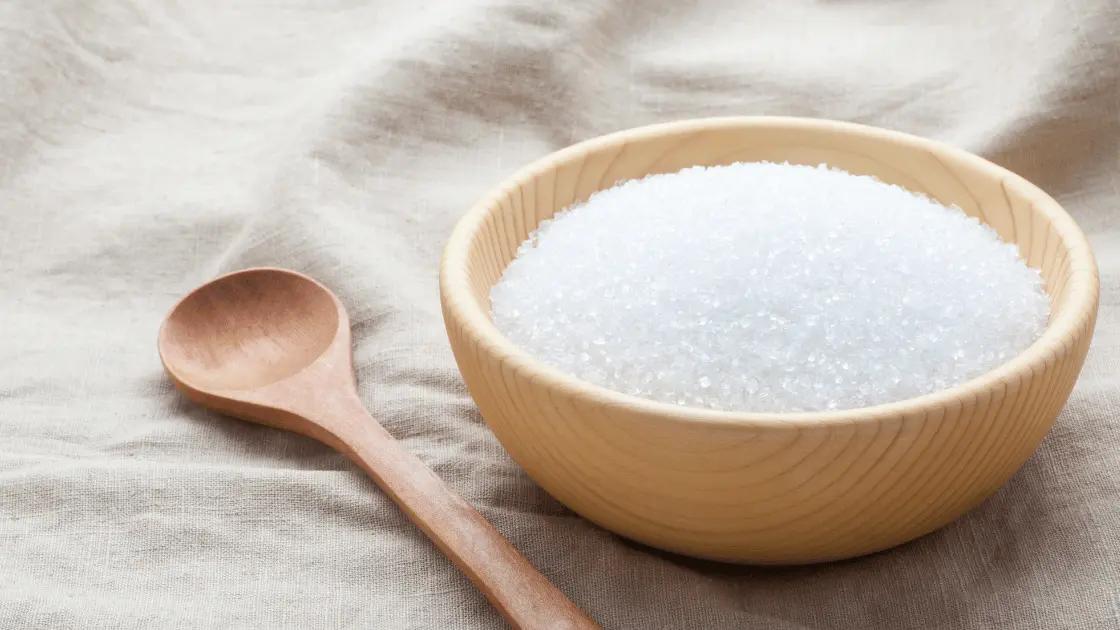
768, 287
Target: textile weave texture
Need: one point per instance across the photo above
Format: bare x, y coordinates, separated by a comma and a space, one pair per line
146, 147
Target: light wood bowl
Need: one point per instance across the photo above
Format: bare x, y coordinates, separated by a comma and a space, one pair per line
763, 487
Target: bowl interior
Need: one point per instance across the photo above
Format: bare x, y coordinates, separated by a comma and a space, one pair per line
1018, 211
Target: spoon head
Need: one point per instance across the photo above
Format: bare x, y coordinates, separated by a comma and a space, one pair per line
250, 329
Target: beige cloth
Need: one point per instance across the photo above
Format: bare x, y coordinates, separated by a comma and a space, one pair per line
147, 146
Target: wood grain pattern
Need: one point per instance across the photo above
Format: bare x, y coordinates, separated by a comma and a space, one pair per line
768, 488
273, 346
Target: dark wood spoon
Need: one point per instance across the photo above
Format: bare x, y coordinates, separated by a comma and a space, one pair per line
272, 346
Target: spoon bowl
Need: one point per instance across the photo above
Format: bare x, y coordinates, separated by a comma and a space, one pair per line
207, 342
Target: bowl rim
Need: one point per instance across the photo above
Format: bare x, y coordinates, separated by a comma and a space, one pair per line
460, 305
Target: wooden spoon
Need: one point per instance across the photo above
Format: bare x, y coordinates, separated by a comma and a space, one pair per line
273, 346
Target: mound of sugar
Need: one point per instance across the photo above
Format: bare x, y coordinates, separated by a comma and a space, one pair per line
768, 287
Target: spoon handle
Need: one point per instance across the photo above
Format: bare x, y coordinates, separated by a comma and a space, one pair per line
520, 593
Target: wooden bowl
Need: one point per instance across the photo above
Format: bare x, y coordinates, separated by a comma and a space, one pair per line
765, 487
